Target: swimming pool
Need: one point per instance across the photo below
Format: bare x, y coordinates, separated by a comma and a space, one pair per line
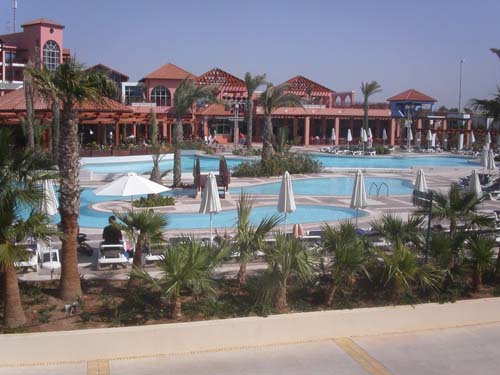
338, 161
333, 186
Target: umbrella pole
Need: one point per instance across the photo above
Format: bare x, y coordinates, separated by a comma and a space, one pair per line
285, 224
211, 240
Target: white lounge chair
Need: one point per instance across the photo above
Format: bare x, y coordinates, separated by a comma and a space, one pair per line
111, 254
33, 259
53, 262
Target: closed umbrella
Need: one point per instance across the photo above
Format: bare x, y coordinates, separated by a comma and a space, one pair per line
364, 138
475, 185
487, 139
420, 183
358, 198
433, 141
210, 202
384, 135
129, 185
460, 142
472, 137
349, 137
410, 134
429, 138
286, 199
49, 204
334, 136
490, 165
370, 137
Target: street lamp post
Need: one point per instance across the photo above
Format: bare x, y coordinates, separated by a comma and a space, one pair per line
460, 87
2, 59
235, 103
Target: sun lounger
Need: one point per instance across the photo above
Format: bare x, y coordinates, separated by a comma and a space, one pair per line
111, 254
33, 259
155, 252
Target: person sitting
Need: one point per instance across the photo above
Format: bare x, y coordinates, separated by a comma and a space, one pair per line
112, 234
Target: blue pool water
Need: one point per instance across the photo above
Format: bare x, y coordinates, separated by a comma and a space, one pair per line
334, 186
336, 161
330, 161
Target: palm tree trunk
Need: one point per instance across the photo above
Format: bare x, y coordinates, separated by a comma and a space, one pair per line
69, 168
13, 308
138, 254
177, 308
267, 145
330, 293
250, 124
477, 280
281, 302
365, 113
30, 116
55, 129
177, 151
242, 274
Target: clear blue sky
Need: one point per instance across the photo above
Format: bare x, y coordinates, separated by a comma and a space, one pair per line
336, 43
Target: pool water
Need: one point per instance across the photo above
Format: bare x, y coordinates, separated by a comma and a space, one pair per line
337, 161
333, 186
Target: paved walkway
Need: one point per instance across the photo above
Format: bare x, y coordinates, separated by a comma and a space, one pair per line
464, 350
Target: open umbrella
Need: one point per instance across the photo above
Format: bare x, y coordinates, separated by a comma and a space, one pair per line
490, 164
472, 138
460, 141
349, 137
210, 202
358, 199
49, 204
475, 185
384, 135
286, 200
129, 185
429, 138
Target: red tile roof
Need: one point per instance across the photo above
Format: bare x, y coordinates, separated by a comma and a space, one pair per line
15, 102
169, 71
107, 69
216, 109
302, 86
411, 95
221, 78
42, 21
334, 112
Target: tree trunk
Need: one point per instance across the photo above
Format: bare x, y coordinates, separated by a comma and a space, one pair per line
13, 308
250, 123
242, 274
30, 116
69, 168
365, 110
331, 293
267, 144
176, 308
281, 302
477, 280
138, 254
177, 152
54, 139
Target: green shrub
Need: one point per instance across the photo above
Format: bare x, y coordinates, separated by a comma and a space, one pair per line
246, 152
277, 165
154, 201
381, 150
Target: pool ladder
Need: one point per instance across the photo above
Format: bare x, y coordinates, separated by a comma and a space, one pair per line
378, 188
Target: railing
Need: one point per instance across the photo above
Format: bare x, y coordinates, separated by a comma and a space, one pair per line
378, 188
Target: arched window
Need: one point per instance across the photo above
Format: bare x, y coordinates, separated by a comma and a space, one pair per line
161, 96
51, 55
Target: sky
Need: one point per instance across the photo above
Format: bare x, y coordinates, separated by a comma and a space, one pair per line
339, 44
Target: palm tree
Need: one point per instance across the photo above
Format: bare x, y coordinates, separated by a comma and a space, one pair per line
346, 256
249, 239
29, 96
252, 83
286, 257
187, 265
18, 188
71, 85
481, 250
142, 227
368, 89
395, 229
186, 95
491, 107
271, 99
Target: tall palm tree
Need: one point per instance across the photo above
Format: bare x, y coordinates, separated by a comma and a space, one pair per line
18, 188
186, 96
186, 266
368, 89
29, 96
481, 250
72, 85
272, 98
249, 239
395, 229
491, 107
252, 83
286, 257
346, 256
142, 227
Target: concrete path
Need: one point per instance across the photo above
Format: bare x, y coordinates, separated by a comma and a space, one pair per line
464, 350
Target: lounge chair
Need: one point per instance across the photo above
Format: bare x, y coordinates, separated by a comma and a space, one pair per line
53, 262
33, 259
111, 254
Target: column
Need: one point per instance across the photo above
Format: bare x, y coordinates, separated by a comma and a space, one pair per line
324, 134
468, 127
337, 131
392, 131
295, 127
205, 126
307, 126
117, 133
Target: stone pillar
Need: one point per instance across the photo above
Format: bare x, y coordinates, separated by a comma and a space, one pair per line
117, 133
468, 127
134, 130
392, 131
205, 126
337, 131
307, 126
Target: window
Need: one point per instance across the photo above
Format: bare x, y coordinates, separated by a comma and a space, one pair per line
161, 96
133, 94
51, 55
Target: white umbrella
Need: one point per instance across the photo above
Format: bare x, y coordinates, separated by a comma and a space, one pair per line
475, 185
490, 164
210, 201
334, 136
429, 138
433, 141
364, 138
487, 139
349, 137
472, 137
50, 204
370, 137
286, 199
420, 183
410, 134
460, 142
384, 135
129, 185
358, 198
